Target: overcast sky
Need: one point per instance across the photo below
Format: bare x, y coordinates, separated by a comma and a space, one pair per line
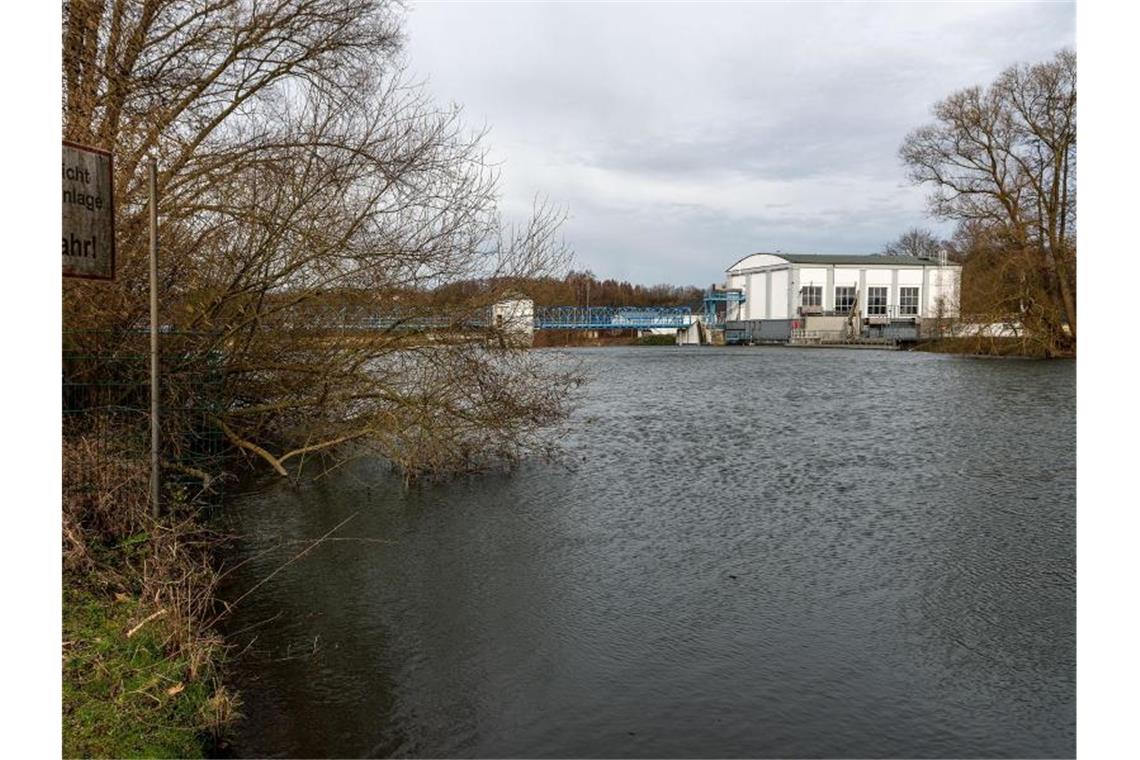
680, 137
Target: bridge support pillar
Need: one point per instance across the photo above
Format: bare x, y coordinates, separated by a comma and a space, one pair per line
693, 335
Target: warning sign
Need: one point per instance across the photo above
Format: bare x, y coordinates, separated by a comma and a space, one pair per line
88, 213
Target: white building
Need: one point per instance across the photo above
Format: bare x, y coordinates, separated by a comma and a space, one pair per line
786, 291
514, 316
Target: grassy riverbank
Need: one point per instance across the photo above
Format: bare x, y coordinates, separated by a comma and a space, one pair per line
126, 696
141, 662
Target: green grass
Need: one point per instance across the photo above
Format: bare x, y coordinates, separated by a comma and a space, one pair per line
657, 340
117, 699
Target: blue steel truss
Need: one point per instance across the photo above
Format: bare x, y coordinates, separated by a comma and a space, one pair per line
547, 318
611, 318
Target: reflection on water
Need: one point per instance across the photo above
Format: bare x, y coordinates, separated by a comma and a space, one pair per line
757, 552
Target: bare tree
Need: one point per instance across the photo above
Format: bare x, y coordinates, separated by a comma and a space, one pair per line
1004, 284
304, 185
916, 242
1004, 156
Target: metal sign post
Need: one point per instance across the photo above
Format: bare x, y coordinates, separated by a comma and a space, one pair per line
89, 251
155, 483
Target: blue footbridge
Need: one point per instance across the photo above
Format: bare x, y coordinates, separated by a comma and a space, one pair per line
712, 314
612, 318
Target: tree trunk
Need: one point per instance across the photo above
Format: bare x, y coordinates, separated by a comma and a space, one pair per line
1065, 290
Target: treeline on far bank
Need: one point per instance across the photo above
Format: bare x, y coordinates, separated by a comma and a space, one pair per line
471, 297
575, 289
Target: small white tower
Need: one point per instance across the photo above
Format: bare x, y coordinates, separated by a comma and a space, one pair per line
514, 315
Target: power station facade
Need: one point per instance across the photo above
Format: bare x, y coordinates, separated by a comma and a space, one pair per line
821, 298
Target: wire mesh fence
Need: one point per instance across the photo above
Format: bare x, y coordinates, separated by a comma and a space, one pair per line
106, 403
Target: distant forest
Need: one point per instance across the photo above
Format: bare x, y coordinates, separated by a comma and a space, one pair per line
579, 289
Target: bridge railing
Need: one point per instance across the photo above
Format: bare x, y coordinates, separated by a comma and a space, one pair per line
547, 318
413, 319
611, 318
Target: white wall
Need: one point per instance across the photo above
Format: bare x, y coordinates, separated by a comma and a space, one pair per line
879, 276
779, 308
514, 316
786, 281
812, 276
737, 311
911, 278
756, 293
945, 284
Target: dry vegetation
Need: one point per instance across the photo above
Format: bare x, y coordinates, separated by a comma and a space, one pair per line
298, 171
300, 177
1002, 162
140, 660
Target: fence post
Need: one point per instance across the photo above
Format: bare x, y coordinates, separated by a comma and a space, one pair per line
155, 483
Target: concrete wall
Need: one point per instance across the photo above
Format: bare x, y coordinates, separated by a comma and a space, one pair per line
696, 334
823, 328
824, 324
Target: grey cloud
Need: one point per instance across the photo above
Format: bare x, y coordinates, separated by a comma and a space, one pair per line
681, 136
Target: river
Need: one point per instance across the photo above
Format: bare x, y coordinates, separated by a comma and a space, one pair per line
750, 552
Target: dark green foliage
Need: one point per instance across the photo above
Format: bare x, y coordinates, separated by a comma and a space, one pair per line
657, 340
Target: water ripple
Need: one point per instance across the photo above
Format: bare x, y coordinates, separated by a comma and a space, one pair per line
757, 553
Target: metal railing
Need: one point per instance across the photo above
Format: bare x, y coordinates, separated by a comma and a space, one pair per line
611, 318
890, 311
105, 397
545, 318
800, 336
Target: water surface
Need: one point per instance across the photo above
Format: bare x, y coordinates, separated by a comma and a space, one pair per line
757, 552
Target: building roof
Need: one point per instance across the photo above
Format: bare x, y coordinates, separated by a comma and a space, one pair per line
861, 259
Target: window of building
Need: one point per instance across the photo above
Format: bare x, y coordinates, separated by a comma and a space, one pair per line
811, 295
844, 299
877, 301
908, 301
